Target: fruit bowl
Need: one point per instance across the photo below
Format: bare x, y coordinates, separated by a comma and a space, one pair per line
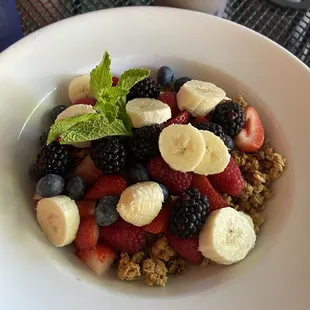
34, 76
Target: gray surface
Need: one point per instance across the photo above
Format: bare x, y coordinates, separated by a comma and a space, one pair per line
290, 27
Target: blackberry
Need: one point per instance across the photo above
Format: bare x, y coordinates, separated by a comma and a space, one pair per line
230, 116
215, 128
144, 142
189, 213
53, 158
146, 88
109, 155
43, 138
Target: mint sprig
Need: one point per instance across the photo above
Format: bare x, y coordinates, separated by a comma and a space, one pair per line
111, 118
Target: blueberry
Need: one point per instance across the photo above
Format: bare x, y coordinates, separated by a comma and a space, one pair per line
57, 110
138, 173
229, 142
165, 191
105, 211
164, 76
50, 185
76, 188
179, 83
43, 138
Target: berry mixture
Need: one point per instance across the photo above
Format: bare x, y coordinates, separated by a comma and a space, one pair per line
147, 175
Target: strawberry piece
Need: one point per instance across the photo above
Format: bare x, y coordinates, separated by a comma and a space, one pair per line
170, 98
88, 234
88, 171
86, 207
182, 118
114, 80
107, 185
251, 137
204, 186
187, 248
175, 181
200, 119
230, 181
89, 101
161, 221
123, 236
99, 259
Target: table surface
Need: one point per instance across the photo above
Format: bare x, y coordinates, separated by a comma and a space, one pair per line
290, 27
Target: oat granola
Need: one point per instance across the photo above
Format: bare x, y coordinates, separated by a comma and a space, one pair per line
128, 269
154, 271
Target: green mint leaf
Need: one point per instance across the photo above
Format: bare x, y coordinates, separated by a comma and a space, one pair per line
96, 129
61, 126
108, 108
100, 77
131, 77
122, 114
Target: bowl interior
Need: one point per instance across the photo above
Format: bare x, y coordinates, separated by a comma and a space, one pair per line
198, 278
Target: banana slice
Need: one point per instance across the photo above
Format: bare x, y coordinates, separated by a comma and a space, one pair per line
140, 203
227, 236
79, 88
59, 219
216, 157
182, 147
75, 110
199, 98
146, 111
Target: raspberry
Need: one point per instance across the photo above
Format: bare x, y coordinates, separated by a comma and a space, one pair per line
175, 181
123, 236
182, 118
230, 181
114, 80
170, 99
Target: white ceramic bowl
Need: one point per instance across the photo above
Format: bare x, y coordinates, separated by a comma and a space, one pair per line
33, 77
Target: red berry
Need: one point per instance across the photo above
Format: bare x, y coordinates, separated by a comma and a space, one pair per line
107, 185
170, 98
200, 119
86, 207
182, 118
88, 171
99, 259
251, 137
230, 181
90, 101
175, 181
123, 236
204, 186
114, 80
161, 221
187, 248
88, 234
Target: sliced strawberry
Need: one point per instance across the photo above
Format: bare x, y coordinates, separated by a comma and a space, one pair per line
230, 181
187, 248
182, 118
88, 234
205, 188
170, 98
107, 185
99, 259
200, 119
114, 80
88, 171
251, 137
161, 221
89, 101
86, 207
123, 236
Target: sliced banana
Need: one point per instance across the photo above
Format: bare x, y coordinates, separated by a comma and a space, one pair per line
199, 98
146, 111
140, 203
59, 219
227, 236
182, 147
79, 88
75, 110
216, 157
